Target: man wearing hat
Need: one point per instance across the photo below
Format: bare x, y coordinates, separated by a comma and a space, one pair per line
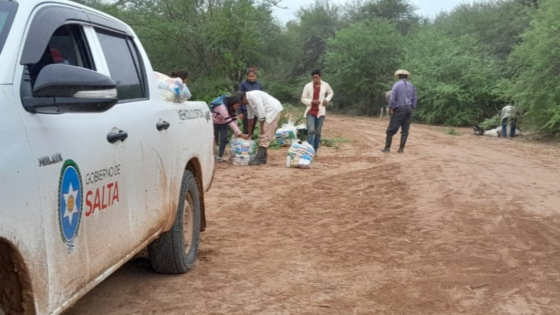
403, 101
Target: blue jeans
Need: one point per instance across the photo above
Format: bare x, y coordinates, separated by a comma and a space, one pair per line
511, 127
220, 134
314, 127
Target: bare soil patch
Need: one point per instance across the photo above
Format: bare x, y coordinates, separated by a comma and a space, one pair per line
455, 225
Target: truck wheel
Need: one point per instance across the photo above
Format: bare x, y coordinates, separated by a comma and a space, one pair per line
175, 251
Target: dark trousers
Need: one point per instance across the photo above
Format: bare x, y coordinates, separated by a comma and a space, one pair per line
220, 134
402, 116
512, 127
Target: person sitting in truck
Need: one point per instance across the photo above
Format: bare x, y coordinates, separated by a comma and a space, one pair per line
57, 56
224, 109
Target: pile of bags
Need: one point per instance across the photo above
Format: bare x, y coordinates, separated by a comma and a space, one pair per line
286, 135
172, 89
242, 151
497, 132
300, 155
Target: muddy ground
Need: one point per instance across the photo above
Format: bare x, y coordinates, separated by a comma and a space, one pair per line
456, 225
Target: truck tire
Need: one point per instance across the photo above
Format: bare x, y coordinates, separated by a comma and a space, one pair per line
175, 251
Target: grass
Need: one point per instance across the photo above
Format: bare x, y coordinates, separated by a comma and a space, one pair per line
451, 132
334, 142
291, 113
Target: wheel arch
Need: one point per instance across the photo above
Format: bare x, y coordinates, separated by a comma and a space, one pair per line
195, 168
16, 293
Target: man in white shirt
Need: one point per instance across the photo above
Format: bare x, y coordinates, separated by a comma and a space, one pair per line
507, 112
268, 109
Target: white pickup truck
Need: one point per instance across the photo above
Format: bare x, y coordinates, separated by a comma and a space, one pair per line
94, 165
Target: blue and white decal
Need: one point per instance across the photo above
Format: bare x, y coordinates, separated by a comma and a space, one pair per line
70, 203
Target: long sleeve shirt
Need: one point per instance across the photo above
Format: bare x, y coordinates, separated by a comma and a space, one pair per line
263, 105
324, 93
403, 94
220, 116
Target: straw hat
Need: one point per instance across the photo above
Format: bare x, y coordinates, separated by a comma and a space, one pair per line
402, 72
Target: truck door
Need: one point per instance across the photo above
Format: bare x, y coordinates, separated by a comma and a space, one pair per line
147, 123
81, 165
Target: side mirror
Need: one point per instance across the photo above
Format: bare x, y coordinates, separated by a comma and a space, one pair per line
61, 88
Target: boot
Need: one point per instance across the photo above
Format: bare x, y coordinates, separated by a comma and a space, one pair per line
388, 144
265, 158
403, 142
260, 158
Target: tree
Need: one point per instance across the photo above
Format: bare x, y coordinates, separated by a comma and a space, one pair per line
401, 12
359, 61
455, 81
497, 25
535, 87
318, 23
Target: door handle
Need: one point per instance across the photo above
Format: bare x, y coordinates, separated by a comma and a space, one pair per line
162, 125
113, 137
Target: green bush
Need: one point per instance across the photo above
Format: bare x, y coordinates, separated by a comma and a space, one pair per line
537, 64
455, 81
207, 89
491, 123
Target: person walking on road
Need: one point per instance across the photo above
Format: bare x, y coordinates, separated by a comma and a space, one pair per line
403, 101
316, 96
267, 109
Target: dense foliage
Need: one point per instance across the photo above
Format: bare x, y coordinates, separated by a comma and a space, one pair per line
466, 64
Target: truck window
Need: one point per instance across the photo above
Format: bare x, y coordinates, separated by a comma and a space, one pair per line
68, 46
124, 65
7, 12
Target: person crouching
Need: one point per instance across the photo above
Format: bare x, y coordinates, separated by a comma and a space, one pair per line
268, 109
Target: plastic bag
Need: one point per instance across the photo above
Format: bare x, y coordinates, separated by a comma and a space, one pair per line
497, 132
301, 132
300, 154
286, 134
172, 89
242, 151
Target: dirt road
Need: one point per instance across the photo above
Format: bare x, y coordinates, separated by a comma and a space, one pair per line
456, 225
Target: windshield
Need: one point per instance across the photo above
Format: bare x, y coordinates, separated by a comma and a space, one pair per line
7, 12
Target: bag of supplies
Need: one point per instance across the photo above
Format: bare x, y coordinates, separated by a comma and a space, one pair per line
300, 155
286, 134
172, 89
242, 151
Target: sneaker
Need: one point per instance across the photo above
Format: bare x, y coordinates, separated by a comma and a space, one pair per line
219, 159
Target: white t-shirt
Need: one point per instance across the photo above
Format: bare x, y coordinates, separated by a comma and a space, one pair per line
263, 106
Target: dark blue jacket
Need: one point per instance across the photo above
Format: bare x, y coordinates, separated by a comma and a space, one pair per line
247, 86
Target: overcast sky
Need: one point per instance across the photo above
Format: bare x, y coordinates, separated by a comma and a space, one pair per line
428, 8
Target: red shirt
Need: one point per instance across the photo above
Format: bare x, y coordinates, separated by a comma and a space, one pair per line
315, 108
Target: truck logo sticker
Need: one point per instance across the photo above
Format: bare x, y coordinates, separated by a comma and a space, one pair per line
70, 202
101, 198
